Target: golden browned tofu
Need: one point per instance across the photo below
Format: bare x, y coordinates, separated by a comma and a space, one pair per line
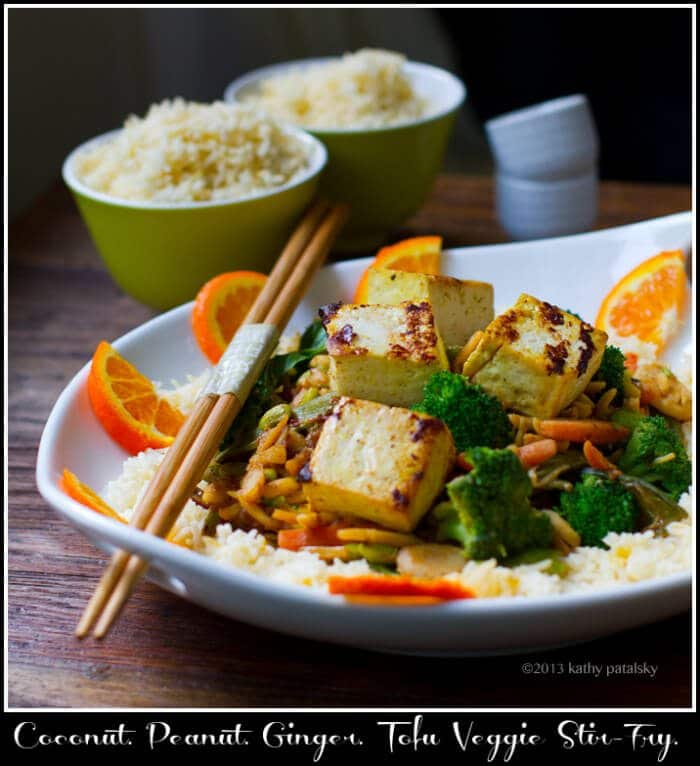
461, 306
385, 464
536, 358
383, 353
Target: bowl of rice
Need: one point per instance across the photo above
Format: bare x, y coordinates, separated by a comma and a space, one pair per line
192, 190
385, 122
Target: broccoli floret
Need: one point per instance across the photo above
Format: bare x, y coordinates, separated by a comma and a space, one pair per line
656, 454
598, 505
612, 371
474, 417
489, 511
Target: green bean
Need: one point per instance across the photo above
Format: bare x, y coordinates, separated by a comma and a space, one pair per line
314, 409
307, 396
273, 416
217, 471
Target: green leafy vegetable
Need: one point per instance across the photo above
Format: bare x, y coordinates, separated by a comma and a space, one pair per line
474, 417
489, 511
658, 509
241, 435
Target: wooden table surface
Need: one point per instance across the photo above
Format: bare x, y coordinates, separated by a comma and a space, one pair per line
166, 652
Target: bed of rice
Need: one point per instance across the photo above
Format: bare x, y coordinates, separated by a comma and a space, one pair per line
188, 152
366, 89
629, 558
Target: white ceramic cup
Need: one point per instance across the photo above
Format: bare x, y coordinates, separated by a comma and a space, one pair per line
548, 141
538, 209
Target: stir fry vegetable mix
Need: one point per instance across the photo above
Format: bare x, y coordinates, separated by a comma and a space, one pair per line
522, 489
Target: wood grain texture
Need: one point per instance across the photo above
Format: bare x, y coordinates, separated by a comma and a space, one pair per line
165, 652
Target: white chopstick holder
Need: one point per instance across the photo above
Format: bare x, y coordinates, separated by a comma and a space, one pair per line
243, 361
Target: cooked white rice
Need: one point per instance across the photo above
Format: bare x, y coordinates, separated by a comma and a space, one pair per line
188, 152
366, 89
183, 395
630, 557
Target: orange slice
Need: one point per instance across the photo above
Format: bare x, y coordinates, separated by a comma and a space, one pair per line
418, 254
648, 303
79, 491
127, 404
220, 308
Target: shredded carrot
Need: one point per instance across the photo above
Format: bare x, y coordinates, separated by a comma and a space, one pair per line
537, 452
394, 585
596, 431
293, 539
596, 459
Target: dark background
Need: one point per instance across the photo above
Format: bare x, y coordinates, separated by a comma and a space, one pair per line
74, 73
634, 65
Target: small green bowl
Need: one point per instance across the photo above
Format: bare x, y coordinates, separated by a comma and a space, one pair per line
385, 174
162, 253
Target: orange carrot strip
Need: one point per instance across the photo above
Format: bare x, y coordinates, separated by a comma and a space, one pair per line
596, 431
365, 600
293, 539
537, 452
596, 459
631, 361
391, 585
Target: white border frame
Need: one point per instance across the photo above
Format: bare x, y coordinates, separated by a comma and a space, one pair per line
602, 710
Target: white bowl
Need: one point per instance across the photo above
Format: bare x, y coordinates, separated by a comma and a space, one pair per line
73, 438
551, 140
537, 209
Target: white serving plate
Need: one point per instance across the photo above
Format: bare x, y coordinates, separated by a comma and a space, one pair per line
573, 272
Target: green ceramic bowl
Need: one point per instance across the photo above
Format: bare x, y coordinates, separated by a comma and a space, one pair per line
385, 174
161, 254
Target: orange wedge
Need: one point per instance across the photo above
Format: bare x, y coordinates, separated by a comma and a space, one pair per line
418, 254
79, 491
648, 303
220, 308
127, 404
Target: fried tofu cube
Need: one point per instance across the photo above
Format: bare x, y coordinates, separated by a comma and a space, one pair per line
383, 353
385, 464
461, 306
536, 358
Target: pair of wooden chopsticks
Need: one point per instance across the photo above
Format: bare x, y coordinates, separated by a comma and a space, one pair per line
199, 437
